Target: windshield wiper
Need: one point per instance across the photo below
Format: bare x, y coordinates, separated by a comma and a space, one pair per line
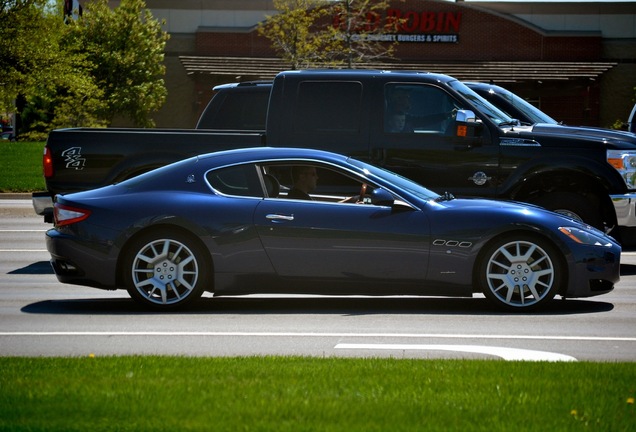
513, 122
447, 196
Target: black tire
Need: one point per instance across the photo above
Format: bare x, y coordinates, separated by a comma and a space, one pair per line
573, 205
520, 272
166, 271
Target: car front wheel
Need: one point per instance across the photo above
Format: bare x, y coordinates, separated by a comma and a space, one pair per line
165, 270
520, 273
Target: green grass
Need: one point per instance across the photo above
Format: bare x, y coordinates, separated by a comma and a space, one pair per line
313, 394
21, 166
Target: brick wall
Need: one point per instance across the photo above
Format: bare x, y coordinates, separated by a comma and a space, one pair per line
481, 36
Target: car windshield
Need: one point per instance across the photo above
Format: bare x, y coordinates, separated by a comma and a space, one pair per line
486, 108
401, 182
535, 114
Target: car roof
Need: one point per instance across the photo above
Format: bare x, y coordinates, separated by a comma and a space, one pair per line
486, 86
386, 75
257, 153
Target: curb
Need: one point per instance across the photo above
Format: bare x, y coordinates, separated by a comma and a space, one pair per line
15, 196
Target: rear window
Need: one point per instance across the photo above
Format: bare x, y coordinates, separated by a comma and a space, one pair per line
237, 110
238, 180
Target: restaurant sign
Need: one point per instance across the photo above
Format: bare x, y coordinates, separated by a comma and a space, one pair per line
408, 26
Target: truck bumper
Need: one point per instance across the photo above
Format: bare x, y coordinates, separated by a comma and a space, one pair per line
625, 208
43, 205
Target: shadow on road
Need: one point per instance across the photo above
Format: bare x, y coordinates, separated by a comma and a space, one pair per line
628, 269
40, 267
346, 306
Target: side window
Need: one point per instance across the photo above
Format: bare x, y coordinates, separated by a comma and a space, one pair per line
315, 182
417, 108
239, 110
239, 180
328, 107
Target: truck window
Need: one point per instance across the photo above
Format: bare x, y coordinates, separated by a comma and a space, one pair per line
417, 108
328, 107
239, 110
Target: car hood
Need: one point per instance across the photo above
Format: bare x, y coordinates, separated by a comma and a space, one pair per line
496, 212
609, 135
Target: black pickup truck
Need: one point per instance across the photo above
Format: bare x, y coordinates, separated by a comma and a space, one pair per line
429, 127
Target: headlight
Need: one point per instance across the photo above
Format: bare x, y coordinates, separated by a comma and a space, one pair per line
584, 237
624, 162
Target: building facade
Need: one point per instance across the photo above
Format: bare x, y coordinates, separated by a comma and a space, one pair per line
575, 61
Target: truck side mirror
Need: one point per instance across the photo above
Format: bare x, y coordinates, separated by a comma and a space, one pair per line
466, 124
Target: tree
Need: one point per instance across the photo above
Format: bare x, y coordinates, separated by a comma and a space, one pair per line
22, 59
125, 48
329, 33
41, 80
357, 24
56, 71
295, 33
18, 57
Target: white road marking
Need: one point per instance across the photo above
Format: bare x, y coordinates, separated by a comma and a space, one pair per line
336, 335
502, 352
511, 354
23, 230
23, 250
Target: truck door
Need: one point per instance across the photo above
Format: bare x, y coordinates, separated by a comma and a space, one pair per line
418, 138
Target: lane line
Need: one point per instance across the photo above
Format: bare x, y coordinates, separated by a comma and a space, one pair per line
338, 335
22, 250
510, 354
22, 230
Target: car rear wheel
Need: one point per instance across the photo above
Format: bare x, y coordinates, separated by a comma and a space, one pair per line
520, 273
166, 270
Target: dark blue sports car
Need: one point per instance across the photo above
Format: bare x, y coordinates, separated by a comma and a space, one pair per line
298, 221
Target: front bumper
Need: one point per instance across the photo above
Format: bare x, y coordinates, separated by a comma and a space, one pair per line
625, 207
593, 271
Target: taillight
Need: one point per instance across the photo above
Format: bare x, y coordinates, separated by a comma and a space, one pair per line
66, 215
47, 163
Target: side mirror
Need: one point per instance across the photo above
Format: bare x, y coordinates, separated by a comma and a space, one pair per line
382, 197
465, 116
466, 124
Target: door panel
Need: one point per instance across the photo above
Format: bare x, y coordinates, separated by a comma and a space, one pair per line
426, 147
348, 242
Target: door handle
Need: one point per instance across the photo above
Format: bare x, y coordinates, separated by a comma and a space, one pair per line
279, 217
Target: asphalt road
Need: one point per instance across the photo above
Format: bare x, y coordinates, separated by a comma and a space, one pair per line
41, 317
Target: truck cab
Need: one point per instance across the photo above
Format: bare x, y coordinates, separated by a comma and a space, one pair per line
451, 139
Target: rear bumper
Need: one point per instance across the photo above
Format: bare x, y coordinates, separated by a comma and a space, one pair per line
43, 205
80, 264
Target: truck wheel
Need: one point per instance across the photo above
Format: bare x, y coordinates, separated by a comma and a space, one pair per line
573, 205
520, 272
166, 270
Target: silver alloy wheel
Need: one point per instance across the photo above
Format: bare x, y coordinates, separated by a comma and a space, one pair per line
165, 271
520, 274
